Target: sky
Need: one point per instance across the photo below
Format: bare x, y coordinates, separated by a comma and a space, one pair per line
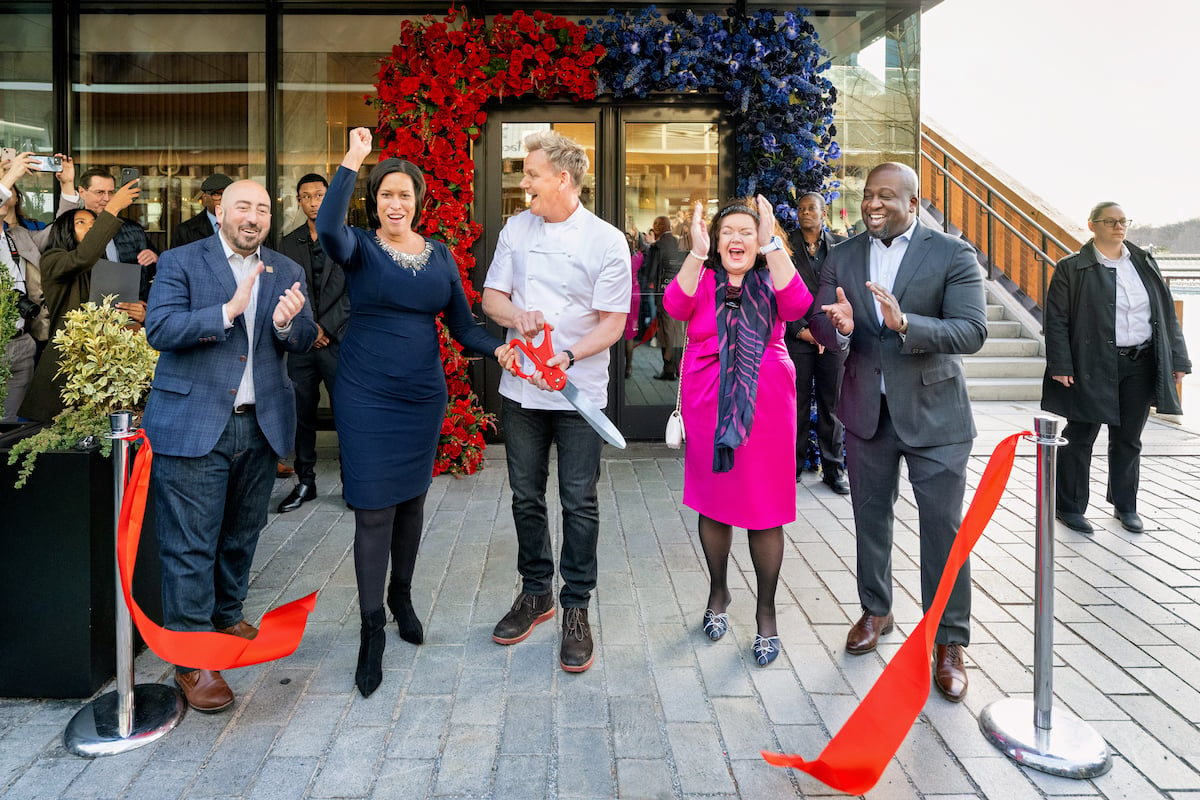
1079, 100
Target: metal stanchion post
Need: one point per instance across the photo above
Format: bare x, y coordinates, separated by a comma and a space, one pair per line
131, 716
1036, 734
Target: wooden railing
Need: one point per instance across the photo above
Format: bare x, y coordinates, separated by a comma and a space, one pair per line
1016, 238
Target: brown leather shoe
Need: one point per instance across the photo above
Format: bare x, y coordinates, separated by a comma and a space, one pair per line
282, 470
950, 671
205, 690
242, 628
866, 632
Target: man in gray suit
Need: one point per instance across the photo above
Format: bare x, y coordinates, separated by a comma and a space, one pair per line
905, 301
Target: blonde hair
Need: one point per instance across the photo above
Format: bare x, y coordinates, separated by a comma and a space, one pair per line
564, 154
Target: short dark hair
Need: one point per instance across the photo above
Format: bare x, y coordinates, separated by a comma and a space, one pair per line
62, 231
311, 177
375, 180
85, 180
820, 198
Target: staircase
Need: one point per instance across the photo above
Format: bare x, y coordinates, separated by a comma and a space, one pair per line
1011, 362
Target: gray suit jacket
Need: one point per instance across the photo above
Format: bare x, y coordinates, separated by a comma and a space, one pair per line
939, 285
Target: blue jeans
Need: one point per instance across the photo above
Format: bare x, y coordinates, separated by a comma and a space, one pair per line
209, 512
528, 436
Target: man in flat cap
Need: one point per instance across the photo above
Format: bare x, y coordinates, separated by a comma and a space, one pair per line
203, 225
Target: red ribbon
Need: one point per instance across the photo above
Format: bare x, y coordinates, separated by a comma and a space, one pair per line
856, 757
279, 634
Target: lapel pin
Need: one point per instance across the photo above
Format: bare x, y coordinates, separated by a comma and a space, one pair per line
270, 268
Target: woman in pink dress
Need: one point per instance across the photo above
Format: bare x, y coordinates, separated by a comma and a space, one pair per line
739, 400
635, 301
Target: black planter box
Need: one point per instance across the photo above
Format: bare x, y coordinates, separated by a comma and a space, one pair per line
58, 576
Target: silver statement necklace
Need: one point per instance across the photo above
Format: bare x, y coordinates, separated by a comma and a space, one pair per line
414, 263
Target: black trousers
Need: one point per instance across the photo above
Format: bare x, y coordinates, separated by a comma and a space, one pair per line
825, 370
1135, 391
308, 371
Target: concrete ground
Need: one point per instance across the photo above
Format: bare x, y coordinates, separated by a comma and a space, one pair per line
664, 712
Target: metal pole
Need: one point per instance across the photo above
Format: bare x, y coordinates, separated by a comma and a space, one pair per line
131, 716
1036, 734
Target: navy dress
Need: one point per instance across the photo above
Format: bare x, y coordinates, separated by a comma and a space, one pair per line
389, 398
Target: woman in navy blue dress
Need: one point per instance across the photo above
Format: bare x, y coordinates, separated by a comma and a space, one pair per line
389, 397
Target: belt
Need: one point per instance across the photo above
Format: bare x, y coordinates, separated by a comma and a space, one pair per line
243, 408
1135, 352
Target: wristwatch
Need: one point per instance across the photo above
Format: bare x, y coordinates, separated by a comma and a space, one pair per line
775, 244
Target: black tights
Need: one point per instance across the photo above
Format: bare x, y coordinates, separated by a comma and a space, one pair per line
766, 552
395, 529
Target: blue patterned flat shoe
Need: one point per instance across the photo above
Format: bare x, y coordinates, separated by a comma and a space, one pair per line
766, 649
715, 625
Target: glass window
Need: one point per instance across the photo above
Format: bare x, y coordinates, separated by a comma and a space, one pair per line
668, 167
513, 199
329, 64
176, 96
876, 70
27, 101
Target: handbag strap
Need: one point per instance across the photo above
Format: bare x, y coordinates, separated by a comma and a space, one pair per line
679, 380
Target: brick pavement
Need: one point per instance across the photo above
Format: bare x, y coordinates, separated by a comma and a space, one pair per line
664, 713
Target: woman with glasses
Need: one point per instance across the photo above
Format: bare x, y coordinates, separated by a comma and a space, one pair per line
738, 397
1114, 347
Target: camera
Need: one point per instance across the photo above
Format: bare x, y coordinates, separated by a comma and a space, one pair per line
48, 163
28, 309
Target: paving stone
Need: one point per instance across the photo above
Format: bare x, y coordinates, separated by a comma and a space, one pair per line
700, 758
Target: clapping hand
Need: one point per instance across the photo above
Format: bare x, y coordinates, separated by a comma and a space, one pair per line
840, 313
289, 305
766, 221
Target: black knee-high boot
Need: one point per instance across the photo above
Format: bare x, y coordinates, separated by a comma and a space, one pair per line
369, 673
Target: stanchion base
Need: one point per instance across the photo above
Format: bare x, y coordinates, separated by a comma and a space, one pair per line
94, 730
1071, 748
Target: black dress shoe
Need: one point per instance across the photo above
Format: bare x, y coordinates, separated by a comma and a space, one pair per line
836, 479
1130, 521
666, 376
1076, 522
301, 494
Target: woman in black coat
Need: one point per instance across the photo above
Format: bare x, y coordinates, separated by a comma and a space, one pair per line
1114, 347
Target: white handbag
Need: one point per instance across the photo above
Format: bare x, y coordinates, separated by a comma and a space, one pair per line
675, 435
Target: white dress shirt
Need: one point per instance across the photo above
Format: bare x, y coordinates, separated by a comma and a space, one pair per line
570, 271
241, 267
1133, 301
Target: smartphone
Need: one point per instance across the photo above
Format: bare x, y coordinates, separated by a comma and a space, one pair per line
128, 174
8, 153
48, 163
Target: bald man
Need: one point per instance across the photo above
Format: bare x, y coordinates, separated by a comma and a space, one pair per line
222, 313
905, 302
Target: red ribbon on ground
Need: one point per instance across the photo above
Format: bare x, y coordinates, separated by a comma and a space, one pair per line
855, 758
279, 633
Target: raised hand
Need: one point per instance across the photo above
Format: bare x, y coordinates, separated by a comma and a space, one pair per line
359, 148
123, 198
700, 240
840, 313
289, 305
766, 220
241, 298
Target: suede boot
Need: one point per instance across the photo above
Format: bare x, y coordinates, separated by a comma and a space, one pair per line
369, 673
399, 600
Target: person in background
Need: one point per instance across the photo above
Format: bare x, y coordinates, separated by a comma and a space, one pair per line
390, 396
816, 366
585, 306
735, 290
77, 241
663, 261
21, 252
129, 245
631, 322
906, 301
331, 308
1114, 347
222, 313
201, 226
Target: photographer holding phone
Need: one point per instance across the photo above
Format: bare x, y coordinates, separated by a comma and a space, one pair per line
130, 245
77, 241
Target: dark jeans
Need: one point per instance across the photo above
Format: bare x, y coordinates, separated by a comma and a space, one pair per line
308, 371
826, 369
1135, 391
209, 511
527, 439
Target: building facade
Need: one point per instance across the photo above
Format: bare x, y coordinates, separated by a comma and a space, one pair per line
269, 90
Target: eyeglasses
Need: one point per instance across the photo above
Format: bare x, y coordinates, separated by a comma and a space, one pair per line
1112, 223
102, 192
